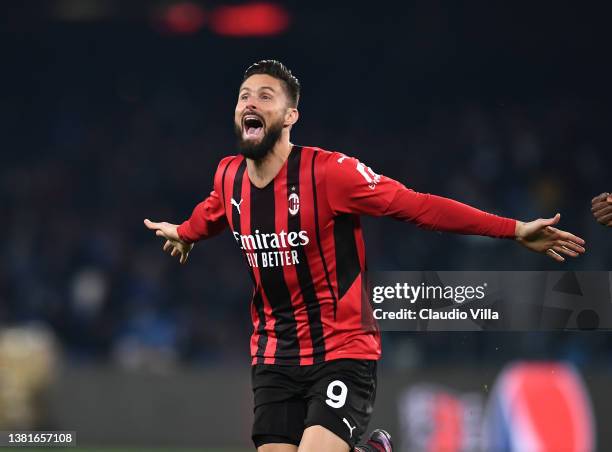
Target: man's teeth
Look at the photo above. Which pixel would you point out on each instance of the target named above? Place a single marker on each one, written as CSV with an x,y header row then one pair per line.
x,y
253,118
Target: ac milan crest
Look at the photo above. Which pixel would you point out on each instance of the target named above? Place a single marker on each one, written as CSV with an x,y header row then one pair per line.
x,y
294,203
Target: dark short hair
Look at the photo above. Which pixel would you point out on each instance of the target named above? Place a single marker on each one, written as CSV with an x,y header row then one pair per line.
x,y
279,71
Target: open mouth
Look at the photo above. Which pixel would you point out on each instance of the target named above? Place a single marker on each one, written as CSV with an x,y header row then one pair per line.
x,y
252,126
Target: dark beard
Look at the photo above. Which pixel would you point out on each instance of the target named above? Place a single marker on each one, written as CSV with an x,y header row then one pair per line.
x,y
257,151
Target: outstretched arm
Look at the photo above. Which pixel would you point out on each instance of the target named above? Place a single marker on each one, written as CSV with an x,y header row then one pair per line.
x,y
437,213
601,206
443,214
354,188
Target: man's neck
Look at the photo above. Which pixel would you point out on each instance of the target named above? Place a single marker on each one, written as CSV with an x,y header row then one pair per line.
x,y
263,171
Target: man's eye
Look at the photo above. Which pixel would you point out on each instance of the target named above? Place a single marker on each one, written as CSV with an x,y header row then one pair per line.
x,y
243,97
266,97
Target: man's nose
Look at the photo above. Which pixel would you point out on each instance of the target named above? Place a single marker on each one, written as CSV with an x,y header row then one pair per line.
x,y
251,104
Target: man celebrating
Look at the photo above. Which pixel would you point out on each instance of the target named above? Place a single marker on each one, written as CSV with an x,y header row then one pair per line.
x,y
294,213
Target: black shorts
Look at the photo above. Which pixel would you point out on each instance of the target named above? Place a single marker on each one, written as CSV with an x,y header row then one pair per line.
x,y
338,395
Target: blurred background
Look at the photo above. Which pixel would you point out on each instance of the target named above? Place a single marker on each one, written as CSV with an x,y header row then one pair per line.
x,y
114,111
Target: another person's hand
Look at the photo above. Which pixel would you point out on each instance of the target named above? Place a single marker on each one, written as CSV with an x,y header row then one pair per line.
x,y
540,236
601,206
173,243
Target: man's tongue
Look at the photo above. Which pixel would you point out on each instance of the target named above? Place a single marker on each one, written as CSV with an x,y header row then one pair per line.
x,y
252,132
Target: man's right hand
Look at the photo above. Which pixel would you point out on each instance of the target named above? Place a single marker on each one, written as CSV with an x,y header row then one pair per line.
x,y
602,209
173,243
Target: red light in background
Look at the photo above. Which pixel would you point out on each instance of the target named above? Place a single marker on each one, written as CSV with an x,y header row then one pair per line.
x,y
183,18
253,19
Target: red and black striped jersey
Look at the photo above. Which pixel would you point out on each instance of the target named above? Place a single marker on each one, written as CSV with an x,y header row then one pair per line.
x,y
302,241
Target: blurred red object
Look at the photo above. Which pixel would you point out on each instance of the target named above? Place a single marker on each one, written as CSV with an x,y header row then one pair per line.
x,y
183,18
252,19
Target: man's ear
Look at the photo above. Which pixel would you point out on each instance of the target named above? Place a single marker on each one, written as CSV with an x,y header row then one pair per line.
x,y
292,116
